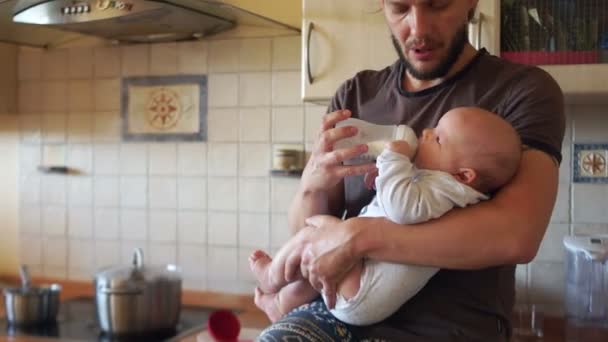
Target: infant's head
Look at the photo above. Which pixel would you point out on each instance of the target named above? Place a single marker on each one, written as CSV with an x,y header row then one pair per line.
x,y
476,146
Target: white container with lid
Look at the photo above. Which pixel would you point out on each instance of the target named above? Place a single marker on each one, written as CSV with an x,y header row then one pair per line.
x,y
587,279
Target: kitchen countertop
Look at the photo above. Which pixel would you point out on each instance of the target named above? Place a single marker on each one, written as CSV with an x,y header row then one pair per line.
x,y
252,319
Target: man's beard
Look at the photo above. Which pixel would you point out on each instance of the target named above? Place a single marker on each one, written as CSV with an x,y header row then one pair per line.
x,y
456,46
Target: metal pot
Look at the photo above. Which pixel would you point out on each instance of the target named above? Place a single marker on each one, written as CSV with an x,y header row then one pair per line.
x,y
137,299
31,305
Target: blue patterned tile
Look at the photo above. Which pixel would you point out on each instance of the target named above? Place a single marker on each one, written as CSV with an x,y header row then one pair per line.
x,y
579,176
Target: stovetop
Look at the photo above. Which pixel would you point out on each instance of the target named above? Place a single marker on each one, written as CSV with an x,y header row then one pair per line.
x,y
77,321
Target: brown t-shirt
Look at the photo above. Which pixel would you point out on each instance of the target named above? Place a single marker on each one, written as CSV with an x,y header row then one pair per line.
x,y
469,304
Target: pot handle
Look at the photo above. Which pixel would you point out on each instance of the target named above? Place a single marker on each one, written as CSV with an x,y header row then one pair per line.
x,y
138,258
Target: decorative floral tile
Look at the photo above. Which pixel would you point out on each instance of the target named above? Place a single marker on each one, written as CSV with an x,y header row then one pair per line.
x,y
589,163
164,108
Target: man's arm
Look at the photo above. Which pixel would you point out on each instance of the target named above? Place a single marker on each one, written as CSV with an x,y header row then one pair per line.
x,y
507,229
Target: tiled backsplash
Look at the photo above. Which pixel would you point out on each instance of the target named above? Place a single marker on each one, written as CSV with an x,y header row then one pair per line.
x,y
205,206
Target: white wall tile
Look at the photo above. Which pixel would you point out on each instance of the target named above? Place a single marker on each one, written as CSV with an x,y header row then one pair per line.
x,y
163,192
81,255
590,229
29,220
135,60
80,158
222,262
80,63
55,272
255,54
192,159
254,124
54,66
192,226
30,64
163,159
54,221
106,159
192,260
134,159
25,94
223,124
288,124
54,190
521,284
53,154
162,254
80,128
80,191
29,190
222,229
286,88
254,194
223,90
30,251
565,168
80,223
222,193
589,203
192,193
54,128
254,89
192,57
551,248
223,56
30,128
133,192
254,159
55,252
133,225
561,210
282,193
279,230
80,96
105,192
221,159
163,225
244,271
107,127
107,62
254,230
313,117
107,253
107,95
107,223
286,53
163,59
54,96
30,156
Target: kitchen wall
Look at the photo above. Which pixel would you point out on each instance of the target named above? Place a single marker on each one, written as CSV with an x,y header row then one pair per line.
x,y
9,139
205,206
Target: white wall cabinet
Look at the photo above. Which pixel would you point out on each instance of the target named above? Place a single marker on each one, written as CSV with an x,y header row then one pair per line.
x,y
340,38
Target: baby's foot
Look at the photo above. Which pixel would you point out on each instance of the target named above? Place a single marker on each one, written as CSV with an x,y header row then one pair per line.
x,y
259,263
268,302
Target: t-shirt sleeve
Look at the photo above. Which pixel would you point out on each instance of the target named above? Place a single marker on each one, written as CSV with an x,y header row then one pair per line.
x,y
535,108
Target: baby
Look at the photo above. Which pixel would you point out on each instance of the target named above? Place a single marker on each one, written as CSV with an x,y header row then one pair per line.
x,y
470,153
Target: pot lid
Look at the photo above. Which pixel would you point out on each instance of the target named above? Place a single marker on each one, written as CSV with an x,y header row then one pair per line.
x,y
594,247
135,276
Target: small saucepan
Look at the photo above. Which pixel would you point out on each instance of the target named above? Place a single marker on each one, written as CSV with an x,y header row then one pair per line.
x,y
31,305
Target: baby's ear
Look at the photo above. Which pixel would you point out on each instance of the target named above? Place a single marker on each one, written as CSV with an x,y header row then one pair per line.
x,y
465,175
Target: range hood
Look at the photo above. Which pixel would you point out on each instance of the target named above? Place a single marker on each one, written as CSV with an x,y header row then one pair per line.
x,y
47,23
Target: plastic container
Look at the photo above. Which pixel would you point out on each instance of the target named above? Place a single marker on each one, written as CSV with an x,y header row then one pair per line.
x,y
587,279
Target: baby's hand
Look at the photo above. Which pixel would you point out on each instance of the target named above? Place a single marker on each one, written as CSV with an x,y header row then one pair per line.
x,y
401,147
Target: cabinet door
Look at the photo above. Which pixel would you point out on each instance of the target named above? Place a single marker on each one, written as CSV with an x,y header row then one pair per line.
x,y
340,38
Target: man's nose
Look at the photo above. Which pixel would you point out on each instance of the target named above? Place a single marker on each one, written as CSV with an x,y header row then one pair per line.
x,y
419,21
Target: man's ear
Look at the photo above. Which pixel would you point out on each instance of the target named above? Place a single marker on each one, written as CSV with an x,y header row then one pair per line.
x,y
465,175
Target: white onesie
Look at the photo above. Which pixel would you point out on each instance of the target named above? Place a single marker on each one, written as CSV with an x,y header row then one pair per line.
x,y
405,195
